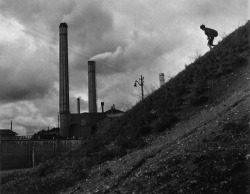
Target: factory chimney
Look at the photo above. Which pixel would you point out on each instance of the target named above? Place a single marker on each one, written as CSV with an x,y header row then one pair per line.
x,y
162,79
63,81
102,105
78,105
92,87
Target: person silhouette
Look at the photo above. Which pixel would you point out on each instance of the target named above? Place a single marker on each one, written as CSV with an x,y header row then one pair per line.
x,y
211,34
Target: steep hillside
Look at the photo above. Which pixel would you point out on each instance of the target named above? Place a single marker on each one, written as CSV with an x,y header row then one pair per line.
x,y
190,136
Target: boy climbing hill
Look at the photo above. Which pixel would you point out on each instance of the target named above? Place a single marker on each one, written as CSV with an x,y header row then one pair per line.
x,y
211,33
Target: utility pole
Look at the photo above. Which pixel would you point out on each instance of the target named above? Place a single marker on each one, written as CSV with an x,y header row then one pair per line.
x,y
58,120
140,83
33,156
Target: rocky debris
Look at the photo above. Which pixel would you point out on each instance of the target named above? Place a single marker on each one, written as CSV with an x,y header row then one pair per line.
x,y
106,172
207,153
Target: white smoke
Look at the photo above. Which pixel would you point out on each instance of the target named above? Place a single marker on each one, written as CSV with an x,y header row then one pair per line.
x,y
108,56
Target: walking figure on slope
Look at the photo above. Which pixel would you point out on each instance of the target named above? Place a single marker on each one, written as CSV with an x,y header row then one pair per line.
x,y
211,33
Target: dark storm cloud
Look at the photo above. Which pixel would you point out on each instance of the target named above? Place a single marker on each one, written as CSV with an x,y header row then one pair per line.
x,y
23,77
41,15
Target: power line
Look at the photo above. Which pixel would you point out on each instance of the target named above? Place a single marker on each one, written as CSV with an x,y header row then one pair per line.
x,y
40,38
52,41
55,42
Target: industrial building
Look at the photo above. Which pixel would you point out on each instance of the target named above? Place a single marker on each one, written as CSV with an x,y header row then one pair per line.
x,y
79,124
7,134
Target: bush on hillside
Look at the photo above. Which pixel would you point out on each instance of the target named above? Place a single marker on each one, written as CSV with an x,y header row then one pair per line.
x,y
196,101
149,116
179,101
145,130
92,145
104,155
239,61
80,167
46,168
198,89
165,121
126,142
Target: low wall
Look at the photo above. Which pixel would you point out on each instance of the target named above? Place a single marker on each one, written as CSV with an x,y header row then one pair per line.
x,y
21,153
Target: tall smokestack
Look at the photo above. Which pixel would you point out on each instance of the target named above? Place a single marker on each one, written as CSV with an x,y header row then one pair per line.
x,y
63,80
78,105
161,79
92,87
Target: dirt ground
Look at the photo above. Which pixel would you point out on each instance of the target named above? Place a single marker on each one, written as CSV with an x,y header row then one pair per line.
x,y
207,153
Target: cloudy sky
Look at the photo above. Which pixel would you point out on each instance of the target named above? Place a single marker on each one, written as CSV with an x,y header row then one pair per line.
x,y
127,38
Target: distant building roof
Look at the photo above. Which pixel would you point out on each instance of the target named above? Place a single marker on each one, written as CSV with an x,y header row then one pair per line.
x,y
113,111
54,129
7,132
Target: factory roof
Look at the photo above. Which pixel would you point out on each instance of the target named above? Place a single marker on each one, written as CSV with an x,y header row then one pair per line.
x,y
113,111
7,132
